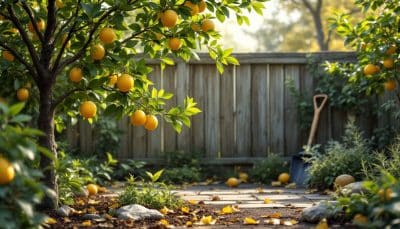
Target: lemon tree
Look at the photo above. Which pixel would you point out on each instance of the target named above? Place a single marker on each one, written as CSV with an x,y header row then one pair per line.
x,y
42,42
377,41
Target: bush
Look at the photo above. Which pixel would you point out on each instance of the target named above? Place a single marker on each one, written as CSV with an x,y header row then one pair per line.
x,y
269,169
153,194
181,175
344,157
24,191
130,167
379,203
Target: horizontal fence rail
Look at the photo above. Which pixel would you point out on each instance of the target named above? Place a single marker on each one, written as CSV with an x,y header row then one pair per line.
x,y
247,112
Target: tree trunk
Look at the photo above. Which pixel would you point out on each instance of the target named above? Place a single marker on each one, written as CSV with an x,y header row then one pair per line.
x,y
46,125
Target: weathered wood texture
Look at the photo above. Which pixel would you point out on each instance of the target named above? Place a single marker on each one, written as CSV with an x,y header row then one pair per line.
x,y
247,112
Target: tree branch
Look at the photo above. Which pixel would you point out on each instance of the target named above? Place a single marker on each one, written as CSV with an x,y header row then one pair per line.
x,y
61,99
25,38
33,21
308,5
133,35
79,54
29,67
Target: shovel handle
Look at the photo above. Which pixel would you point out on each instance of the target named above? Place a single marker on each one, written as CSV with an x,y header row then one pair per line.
x,y
317,111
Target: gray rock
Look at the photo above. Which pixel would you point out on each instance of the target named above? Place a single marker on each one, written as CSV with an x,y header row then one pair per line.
x,y
355,187
64,211
318,212
91,216
83,192
138,212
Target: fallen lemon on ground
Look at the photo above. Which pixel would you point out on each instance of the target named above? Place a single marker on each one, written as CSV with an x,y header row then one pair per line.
x,y
284,178
232,182
92,189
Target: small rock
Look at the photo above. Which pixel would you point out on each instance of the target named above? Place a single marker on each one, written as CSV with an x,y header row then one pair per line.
x,y
318,212
91,216
138,212
355,187
64,211
83,192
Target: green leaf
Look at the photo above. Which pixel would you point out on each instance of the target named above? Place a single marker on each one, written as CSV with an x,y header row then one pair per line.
x,y
16,108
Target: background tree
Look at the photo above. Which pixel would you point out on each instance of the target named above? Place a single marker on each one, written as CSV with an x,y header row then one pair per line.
x,y
68,54
302,25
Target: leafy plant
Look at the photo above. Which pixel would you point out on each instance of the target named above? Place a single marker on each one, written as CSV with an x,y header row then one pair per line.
x,y
377,205
20,191
180,175
106,135
133,167
269,169
153,194
102,171
344,157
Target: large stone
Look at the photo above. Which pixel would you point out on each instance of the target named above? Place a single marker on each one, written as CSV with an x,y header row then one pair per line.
x,y
138,212
355,187
64,211
82,192
318,212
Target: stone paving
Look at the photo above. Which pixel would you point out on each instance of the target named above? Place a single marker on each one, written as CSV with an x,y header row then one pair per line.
x,y
251,196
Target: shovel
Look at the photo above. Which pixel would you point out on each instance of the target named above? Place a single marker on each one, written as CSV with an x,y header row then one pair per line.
x,y
298,166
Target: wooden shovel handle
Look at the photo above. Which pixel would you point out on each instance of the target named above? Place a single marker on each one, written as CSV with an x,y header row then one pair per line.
x,y
317,111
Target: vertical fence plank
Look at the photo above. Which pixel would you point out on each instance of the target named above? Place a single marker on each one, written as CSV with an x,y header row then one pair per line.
x,y
307,90
292,130
276,109
154,142
72,136
211,112
182,90
243,110
259,109
138,143
85,137
169,133
197,91
124,126
227,112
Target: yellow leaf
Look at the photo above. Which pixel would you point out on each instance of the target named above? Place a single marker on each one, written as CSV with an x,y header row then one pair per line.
x,y
80,202
260,190
207,220
226,210
268,201
322,225
290,222
93,202
291,185
86,223
194,202
277,191
114,206
91,210
276,215
185,210
51,221
250,221
67,220
166,210
189,224
164,222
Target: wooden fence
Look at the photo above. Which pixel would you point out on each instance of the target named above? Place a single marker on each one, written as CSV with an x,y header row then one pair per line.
x,y
247,112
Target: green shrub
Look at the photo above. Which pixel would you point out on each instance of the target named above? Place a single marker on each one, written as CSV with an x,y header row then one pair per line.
x,y
19,197
129,167
344,157
379,203
181,175
269,169
151,194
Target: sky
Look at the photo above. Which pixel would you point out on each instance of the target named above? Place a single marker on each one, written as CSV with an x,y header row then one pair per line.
x,y
233,35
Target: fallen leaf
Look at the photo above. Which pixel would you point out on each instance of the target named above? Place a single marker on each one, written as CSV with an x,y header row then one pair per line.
x,y
193,202
101,189
114,206
164,222
276,215
166,210
107,216
51,221
278,191
260,190
215,198
207,220
86,223
185,210
322,224
276,183
289,222
93,202
226,210
91,210
80,202
291,185
250,221
268,201
209,181
201,202
67,220
189,224
272,221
